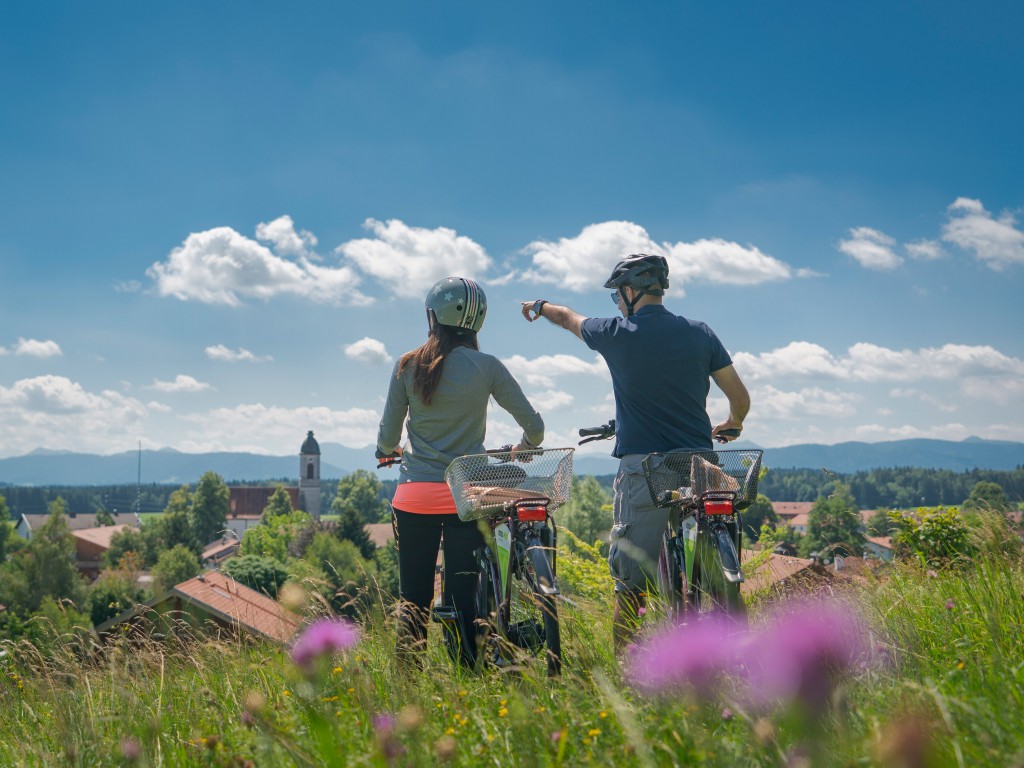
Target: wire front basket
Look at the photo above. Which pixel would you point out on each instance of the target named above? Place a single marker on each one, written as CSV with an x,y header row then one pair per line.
x,y
486,484
695,472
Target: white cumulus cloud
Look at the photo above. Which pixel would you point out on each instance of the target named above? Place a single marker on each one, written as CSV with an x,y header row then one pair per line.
x,y
282,235
873,363
871,249
996,242
368,351
543,370
221,266
250,427
220,352
408,260
58,413
925,250
584,262
36,348
550,400
181,383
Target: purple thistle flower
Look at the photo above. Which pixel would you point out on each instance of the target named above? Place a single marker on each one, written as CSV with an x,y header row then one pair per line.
x,y
803,652
950,605
689,654
384,724
324,637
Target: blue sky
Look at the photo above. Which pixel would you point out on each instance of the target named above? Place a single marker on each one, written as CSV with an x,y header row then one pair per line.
x,y
218,220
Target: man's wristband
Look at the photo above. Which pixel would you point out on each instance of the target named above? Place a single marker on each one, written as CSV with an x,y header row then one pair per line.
x,y
538,306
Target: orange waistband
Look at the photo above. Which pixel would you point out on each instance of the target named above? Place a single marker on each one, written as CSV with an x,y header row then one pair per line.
x,y
424,498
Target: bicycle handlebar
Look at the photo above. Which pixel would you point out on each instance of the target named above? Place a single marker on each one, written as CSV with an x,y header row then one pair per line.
x,y
603,432
387,460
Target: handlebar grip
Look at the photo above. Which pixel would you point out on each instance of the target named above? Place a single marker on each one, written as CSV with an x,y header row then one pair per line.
x,y
386,460
668,497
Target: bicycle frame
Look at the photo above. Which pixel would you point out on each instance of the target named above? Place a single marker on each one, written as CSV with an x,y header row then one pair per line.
x,y
725,532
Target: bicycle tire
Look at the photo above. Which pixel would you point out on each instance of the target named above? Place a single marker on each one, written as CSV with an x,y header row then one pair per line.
x,y
533,616
484,603
713,592
670,577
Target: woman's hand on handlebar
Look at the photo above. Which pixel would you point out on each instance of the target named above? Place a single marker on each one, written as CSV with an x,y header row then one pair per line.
x,y
727,431
387,460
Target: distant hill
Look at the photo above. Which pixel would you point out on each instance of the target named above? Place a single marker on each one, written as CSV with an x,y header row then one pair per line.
x,y
169,466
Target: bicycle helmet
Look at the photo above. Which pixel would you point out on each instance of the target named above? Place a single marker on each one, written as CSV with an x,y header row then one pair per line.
x,y
644,272
458,302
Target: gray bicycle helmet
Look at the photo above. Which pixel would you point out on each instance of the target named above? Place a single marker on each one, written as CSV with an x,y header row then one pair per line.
x,y
458,302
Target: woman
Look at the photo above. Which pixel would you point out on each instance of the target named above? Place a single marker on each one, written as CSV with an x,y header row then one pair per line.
x,y
443,387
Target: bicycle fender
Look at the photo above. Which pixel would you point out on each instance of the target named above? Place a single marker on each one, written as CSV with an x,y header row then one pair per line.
x,y
542,565
727,549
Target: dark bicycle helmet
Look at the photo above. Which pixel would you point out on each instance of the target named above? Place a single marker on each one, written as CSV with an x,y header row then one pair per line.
x,y
458,302
644,272
640,271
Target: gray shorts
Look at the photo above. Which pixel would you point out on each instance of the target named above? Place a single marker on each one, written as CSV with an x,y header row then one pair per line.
x,y
637,529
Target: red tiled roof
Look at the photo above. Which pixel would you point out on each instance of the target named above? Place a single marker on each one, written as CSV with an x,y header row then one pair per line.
x,y
99,536
251,500
788,509
233,602
777,569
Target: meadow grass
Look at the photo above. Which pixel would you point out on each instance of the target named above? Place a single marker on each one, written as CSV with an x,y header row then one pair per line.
x,y
944,680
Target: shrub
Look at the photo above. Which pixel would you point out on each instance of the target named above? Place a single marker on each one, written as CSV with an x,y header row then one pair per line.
x,y
935,536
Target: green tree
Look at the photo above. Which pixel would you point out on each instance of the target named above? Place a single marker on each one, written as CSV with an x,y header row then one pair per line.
x,y
987,495
111,594
278,505
588,513
932,535
5,529
264,574
362,491
834,523
758,514
125,541
881,523
209,513
172,530
104,518
175,565
45,567
347,572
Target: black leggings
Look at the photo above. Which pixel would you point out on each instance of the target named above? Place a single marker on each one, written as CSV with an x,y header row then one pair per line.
x,y
418,537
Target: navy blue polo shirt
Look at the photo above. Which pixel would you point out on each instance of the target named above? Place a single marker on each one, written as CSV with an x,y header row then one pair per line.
x,y
661,366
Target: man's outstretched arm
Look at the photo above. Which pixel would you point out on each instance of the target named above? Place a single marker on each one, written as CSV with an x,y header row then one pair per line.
x,y
739,400
564,317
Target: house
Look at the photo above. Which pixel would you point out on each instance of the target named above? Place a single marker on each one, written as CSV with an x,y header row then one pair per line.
x,y
28,523
219,551
247,502
880,547
787,510
209,603
784,573
90,546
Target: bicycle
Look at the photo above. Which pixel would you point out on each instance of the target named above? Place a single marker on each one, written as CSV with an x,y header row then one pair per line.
x,y
514,493
699,564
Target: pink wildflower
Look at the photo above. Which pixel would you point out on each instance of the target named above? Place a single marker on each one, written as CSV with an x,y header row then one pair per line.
x,y
689,654
324,637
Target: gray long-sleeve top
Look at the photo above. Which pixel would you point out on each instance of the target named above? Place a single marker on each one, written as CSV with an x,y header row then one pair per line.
x,y
455,422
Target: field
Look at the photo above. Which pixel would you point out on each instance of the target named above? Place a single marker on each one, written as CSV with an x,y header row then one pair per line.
x,y
937,679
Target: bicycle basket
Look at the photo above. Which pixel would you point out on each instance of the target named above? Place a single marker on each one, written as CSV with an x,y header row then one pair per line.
x,y
694,472
484,484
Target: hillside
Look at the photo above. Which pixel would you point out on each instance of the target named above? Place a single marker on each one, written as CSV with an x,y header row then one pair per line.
x,y
170,466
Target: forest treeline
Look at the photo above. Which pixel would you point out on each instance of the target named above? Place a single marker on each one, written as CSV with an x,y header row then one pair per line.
x,y
898,488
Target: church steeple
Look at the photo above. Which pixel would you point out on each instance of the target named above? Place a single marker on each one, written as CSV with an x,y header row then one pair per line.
x,y
309,476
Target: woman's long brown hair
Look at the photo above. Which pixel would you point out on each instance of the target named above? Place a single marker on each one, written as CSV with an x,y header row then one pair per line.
x,y
427,361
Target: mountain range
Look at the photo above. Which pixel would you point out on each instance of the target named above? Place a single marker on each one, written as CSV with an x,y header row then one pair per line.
x,y
45,467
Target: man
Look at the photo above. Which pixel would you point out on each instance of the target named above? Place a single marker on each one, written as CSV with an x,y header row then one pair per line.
x,y
661,366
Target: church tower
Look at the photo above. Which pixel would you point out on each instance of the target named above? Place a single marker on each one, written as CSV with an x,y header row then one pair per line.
x,y
309,476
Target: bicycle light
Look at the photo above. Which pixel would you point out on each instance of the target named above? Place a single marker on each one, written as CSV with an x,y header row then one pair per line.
x,y
718,507
532,513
